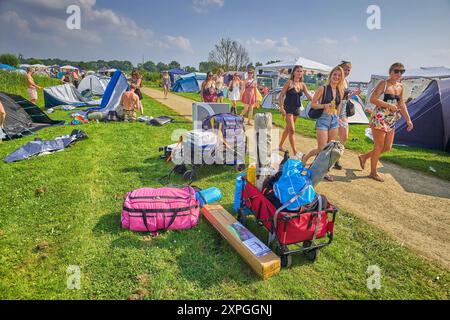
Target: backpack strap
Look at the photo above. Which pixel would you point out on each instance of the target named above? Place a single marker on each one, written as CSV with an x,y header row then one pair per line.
x,y
324,95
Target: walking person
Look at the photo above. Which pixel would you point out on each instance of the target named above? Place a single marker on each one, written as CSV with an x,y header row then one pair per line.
x,y
343,118
290,103
2,121
209,89
219,81
329,99
136,79
234,91
388,110
32,86
166,84
130,103
249,98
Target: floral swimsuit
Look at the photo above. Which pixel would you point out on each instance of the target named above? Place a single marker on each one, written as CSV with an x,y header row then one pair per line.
x,y
383,119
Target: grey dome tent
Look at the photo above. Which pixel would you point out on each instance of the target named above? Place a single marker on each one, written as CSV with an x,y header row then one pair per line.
x,y
93,84
430,114
66,94
23,117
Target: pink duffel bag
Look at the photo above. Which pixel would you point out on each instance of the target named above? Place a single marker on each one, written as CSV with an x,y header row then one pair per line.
x,y
158,210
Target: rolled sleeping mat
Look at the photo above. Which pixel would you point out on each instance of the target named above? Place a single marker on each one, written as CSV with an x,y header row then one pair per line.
x,y
209,196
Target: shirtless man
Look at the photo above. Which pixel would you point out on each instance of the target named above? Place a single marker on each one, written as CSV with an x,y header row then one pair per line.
x,y
2,120
130,103
32,92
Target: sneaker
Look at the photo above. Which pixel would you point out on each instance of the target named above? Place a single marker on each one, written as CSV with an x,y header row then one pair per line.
x,y
299,156
338,166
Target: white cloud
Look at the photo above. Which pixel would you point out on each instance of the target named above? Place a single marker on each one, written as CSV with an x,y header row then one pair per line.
x,y
43,22
353,39
177,42
202,6
280,46
327,41
12,19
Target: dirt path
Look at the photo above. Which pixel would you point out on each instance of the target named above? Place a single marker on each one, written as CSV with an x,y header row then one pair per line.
x,y
412,207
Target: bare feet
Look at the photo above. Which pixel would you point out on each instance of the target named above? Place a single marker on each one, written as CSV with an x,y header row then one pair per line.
x,y
376,177
280,148
362,162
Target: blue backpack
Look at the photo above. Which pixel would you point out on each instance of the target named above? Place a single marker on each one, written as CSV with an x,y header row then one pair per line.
x,y
294,185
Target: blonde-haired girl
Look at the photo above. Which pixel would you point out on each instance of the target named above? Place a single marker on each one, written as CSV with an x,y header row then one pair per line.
x,y
329,99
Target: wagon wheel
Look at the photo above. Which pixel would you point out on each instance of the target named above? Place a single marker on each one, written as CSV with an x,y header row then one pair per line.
x,y
190,175
286,259
311,255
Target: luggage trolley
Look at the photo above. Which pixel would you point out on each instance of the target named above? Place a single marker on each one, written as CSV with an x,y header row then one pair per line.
x,y
301,229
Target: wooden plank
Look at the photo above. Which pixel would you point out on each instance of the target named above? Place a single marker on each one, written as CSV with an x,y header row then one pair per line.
x,y
266,265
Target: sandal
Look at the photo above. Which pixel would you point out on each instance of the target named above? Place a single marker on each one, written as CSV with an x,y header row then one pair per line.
x,y
328,178
376,178
361,163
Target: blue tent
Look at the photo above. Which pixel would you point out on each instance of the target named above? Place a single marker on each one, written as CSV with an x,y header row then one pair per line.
x,y
190,82
174,72
6,67
430,114
113,93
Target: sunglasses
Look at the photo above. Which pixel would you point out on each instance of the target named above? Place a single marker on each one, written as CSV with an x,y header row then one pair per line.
x,y
397,71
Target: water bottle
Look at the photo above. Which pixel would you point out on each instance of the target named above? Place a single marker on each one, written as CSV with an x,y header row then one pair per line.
x,y
251,174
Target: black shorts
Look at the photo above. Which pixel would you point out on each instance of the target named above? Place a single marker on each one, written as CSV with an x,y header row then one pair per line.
x,y
295,111
139,93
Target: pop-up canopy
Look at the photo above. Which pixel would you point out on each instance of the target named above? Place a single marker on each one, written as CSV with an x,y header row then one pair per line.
x,y
307,64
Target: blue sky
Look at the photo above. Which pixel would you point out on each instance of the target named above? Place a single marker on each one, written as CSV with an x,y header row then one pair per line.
x,y
414,32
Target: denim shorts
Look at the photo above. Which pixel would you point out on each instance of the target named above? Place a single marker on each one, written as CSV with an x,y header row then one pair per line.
x,y
327,122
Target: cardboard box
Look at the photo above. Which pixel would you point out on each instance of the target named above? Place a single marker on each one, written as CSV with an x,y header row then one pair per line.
x,y
255,253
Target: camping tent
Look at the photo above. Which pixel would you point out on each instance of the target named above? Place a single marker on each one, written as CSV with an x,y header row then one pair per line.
x,y
190,82
6,67
174,74
430,114
23,117
186,85
93,84
359,117
307,64
415,81
66,94
113,93
271,102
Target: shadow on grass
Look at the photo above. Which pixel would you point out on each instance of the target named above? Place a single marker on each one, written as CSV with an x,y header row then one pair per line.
x,y
200,253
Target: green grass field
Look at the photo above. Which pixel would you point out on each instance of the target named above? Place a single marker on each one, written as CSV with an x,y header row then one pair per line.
x,y
412,158
64,209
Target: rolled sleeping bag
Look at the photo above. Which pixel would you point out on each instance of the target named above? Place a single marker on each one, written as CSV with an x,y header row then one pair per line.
x,y
325,160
